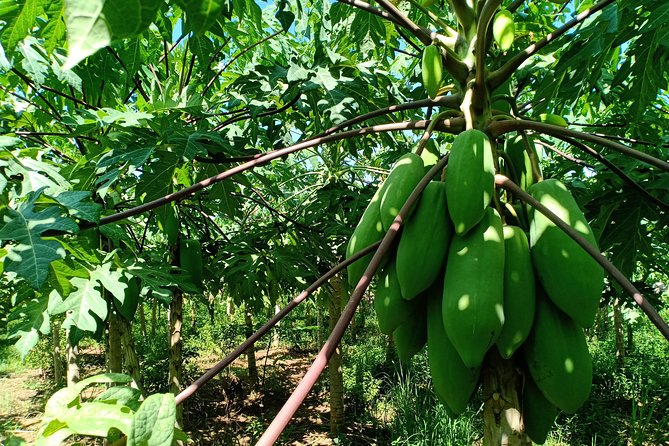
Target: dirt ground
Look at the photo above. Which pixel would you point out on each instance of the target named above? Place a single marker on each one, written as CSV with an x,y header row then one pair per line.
x,y
226,412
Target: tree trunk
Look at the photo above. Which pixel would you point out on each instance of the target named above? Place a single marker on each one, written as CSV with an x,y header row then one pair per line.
x,y
390,351
114,354
619,329
175,353
57,360
251,351
275,331
319,321
154,311
335,364
503,421
211,308
142,319
130,360
72,354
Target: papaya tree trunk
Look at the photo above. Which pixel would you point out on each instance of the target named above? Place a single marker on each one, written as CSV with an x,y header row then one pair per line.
x,y
502,417
72,354
175,353
251,351
335,364
619,329
391,354
130,359
114,354
275,331
57,359
142,319
154,311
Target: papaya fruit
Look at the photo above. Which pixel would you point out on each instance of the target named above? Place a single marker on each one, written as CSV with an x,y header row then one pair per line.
x,y
571,277
128,307
411,335
423,245
391,309
550,118
503,29
470,179
190,259
369,230
521,164
538,413
519,291
432,70
453,382
557,356
402,179
473,295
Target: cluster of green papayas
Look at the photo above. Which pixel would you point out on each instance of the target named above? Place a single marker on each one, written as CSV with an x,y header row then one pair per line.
x,y
465,283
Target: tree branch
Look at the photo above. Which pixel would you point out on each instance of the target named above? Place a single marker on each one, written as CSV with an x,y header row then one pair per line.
x,y
281,420
645,306
234,119
452,125
497,128
616,170
464,13
372,10
498,77
223,363
574,160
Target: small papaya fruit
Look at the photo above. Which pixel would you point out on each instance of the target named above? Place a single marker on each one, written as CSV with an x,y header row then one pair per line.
x,y
190,258
424,241
571,277
550,118
432,70
411,335
391,309
402,179
557,356
538,413
453,382
470,179
521,163
473,296
504,29
519,291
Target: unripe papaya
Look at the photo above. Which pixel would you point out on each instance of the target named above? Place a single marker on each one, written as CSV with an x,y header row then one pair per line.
x,y
453,382
128,307
470,179
190,258
423,245
171,225
432,70
557,357
519,291
504,29
411,335
473,296
402,179
391,309
538,413
520,161
550,118
368,231
571,277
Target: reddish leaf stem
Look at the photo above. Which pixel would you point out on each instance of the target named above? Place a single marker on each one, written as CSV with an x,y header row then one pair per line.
x,y
645,306
223,363
309,379
497,128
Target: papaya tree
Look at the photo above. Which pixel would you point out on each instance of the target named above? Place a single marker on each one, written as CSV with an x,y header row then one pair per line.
x,y
516,142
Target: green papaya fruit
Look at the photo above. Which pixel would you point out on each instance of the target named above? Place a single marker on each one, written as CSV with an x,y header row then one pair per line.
x,y
503,29
520,161
519,291
190,258
453,382
402,180
368,231
473,296
550,118
128,307
391,309
557,357
470,179
411,335
423,245
430,155
432,70
171,225
538,413
571,277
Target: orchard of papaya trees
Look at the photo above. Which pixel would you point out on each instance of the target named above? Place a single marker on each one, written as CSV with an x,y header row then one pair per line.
x,y
397,222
